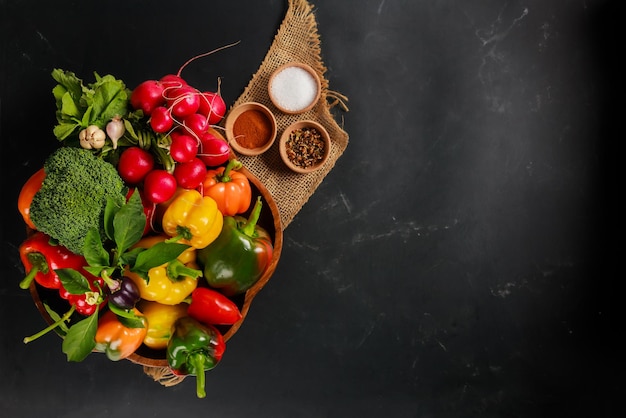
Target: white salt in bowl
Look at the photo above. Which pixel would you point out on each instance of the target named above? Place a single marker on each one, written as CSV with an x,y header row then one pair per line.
x,y
294,88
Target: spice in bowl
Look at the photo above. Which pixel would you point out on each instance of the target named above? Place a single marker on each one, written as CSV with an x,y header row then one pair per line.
x,y
305,146
294,88
250,128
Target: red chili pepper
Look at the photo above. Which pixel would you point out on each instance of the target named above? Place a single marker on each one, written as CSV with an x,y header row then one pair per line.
x,y
41,258
213,308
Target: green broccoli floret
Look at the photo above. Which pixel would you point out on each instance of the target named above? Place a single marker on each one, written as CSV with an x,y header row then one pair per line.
x,y
73,196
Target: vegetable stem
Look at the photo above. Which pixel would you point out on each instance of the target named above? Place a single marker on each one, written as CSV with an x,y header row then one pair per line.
x,y
49,328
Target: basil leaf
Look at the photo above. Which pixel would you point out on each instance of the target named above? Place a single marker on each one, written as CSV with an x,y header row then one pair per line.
x,y
80,338
129,223
110,209
157,255
128,318
129,257
94,251
74,282
72,84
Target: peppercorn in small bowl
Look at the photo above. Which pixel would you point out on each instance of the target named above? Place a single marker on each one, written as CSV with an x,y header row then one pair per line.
x,y
250,128
304,146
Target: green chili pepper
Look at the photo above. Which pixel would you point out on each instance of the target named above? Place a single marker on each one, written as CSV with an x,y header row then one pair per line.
x,y
193,349
239,256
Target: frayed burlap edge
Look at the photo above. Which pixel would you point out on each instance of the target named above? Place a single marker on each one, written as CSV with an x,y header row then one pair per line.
x,y
297,40
163,375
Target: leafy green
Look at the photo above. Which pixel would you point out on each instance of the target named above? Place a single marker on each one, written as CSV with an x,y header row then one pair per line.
x,y
80,105
80,339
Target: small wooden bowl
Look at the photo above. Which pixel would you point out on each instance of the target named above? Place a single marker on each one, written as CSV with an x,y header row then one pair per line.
x,y
283,146
268,128
145,356
294,88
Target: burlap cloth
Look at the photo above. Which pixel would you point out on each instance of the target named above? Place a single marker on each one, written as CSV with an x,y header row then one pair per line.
x,y
297,40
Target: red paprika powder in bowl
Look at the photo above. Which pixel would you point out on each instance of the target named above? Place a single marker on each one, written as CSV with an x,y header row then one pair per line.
x,y
250,128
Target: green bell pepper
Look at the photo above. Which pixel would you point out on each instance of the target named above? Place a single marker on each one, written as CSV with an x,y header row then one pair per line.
x,y
239,256
193,349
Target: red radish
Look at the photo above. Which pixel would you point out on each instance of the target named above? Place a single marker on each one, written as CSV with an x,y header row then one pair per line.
x,y
159,186
212,105
213,151
161,120
183,148
172,80
189,175
134,164
196,124
183,101
147,96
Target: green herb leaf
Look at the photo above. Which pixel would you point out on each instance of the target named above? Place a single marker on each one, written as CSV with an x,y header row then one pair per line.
x,y
130,256
94,251
110,99
110,209
129,223
65,129
157,255
74,282
128,318
80,338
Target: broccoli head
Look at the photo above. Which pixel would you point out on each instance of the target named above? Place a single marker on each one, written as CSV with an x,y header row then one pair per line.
x,y
73,196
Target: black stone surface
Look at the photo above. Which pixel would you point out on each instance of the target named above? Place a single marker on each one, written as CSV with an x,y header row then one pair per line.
x,y
461,258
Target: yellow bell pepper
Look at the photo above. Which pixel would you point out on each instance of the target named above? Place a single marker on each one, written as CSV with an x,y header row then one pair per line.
x,y
169,283
193,219
161,320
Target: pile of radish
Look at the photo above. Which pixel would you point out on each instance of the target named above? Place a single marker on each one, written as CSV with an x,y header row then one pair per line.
x,y
188,116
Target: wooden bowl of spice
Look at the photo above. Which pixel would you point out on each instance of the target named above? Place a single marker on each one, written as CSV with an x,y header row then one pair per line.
x,y
304,146
250,128
294,88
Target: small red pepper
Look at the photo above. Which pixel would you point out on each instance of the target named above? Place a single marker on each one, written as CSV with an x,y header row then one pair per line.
x,y
41,258
213,308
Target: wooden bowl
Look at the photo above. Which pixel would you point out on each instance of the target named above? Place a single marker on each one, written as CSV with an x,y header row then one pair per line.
x,y
288,157
269,219
267,129
294,88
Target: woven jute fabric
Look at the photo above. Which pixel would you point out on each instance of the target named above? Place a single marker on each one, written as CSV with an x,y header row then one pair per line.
x,y
297,40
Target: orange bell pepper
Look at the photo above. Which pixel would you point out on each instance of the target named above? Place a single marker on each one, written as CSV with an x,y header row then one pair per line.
x,y
115,339
32,186
193,219
229,188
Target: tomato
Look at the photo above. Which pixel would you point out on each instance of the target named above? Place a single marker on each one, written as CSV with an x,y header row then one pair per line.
x,y
161,119
183,148
147,96
134,164
159,186
191,174
213,151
